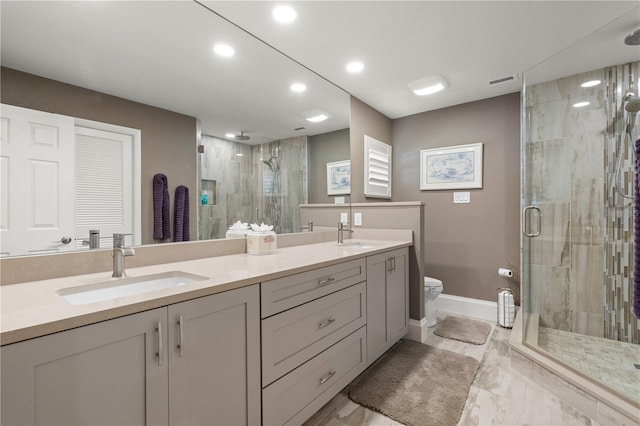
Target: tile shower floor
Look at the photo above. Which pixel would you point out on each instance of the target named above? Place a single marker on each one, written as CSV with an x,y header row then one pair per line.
x,y
607,361
498,395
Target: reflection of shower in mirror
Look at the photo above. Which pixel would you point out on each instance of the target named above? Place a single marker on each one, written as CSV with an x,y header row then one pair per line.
x,y
272,162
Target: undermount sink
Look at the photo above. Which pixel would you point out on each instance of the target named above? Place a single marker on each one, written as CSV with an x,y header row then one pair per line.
x,y
357,244
113,289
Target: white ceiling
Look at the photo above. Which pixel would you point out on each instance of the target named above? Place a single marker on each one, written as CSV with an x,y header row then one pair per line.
x,y
159,53
469,42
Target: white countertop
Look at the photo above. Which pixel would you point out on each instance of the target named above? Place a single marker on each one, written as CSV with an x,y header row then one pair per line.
x,y
35,309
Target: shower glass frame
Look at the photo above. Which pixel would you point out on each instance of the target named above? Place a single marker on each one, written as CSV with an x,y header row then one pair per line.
x,y
576,274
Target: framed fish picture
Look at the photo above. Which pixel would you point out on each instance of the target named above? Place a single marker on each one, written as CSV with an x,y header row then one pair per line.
x,y
453,167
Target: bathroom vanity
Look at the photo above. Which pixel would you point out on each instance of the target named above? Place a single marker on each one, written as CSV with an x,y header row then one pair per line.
x,y
265,340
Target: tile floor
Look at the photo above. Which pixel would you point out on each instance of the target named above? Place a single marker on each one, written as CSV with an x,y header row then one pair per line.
x,y
498,395
604,360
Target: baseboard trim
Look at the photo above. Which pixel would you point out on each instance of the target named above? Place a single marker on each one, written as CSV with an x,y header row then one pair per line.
x,y
475,308
418,330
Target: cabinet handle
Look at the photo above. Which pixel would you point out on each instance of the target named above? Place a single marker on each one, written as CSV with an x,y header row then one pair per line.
x,y
159,352
323,324
181,341
393,260
326,281
328,376
389,267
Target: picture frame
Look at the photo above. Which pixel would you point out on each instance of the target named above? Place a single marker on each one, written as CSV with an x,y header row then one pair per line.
x,y
453,167
339,177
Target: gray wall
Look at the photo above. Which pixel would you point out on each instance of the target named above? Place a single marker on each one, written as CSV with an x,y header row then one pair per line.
x,y
323,149
465,244
365,121
168,138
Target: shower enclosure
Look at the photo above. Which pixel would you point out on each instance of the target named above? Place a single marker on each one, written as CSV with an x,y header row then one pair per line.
x,y
251,183
577,244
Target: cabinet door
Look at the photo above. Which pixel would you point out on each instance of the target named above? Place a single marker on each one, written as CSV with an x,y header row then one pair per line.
x,y
214,353
378,339
110,373
398,295
387,301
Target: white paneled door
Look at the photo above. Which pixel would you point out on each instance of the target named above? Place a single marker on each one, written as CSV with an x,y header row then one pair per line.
x,y
61,177
36,168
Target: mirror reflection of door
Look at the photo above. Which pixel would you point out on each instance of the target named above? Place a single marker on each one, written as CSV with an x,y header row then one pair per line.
x,y
43,156
37,173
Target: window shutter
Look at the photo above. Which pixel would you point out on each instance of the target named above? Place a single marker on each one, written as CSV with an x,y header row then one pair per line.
x,y
377,168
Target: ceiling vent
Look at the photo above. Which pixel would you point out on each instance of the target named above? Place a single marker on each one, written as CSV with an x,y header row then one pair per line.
x,y
506,79
300,128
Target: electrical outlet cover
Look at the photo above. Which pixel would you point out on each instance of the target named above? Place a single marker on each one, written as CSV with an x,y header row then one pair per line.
x,y
357,219
344,217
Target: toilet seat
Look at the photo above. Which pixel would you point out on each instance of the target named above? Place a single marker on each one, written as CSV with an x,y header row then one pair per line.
x,y
432,285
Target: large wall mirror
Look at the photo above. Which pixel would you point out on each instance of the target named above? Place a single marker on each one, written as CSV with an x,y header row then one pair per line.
x,y
229,128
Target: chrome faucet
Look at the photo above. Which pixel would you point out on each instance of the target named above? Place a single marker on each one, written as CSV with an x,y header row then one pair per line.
x,y
309,227
119,253
342,229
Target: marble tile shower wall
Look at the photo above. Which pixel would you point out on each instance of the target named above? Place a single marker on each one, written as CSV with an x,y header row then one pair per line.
x,y
237,185
226,178
282,185
566,156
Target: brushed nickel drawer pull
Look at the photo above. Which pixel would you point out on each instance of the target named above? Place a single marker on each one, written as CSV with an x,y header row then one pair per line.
x,y
326,281
159,352
328,376
323,324
181,343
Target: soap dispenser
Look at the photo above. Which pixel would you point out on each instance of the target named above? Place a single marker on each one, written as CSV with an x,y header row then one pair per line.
x,y
204,199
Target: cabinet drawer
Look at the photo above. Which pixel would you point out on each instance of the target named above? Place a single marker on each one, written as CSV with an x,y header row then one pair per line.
x,y
299,394
292,337
288,292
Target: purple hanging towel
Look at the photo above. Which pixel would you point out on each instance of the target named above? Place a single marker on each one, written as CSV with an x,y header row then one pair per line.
x,y
181,214
636,235
161,219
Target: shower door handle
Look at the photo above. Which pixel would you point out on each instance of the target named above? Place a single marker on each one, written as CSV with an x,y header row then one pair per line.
x,y
525,229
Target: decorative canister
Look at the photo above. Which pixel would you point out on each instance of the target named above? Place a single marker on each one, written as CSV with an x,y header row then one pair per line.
x,y
261,240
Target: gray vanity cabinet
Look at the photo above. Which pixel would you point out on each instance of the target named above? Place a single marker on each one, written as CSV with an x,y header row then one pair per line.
x,y
387,301
196,362
108,373
214,359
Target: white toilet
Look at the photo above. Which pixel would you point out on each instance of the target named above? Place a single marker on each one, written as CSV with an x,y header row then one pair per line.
x,y
432,289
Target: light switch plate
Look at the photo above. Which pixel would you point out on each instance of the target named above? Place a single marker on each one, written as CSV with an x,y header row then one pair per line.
x,y
461,197
357,219
344,217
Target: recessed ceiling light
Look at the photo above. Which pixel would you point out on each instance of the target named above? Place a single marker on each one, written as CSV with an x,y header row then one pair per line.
x,y
239,154
284,14
224,50
590,83
315,116
355,67
580,104
298,87
230,135
428,85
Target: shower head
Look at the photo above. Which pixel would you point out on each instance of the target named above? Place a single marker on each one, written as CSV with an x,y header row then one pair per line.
x,y
242,137
632,107
633,39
